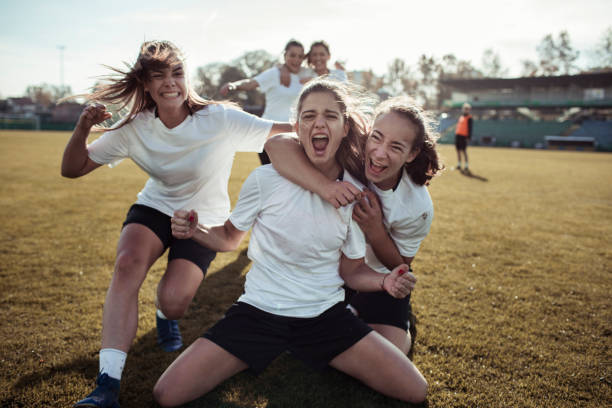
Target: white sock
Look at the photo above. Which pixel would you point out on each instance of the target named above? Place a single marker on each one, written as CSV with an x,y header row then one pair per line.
x,y
112,362
161,315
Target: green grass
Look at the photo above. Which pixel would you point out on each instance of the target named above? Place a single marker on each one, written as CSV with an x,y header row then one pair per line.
x,y
513,297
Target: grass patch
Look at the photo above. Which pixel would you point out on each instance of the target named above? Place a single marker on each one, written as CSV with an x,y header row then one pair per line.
x,y
513,297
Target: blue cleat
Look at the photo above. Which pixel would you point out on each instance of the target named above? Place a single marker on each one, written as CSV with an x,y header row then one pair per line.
x,y
168,334
106,394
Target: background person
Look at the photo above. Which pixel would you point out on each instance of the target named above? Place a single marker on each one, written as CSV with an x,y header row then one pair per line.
x,y
463,133
399,158
279,97
186,145
293,291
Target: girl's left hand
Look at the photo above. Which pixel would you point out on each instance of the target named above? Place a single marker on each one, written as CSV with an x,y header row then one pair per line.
x,y
400,282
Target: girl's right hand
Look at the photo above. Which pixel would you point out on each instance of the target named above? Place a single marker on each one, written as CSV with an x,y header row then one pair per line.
x,y
92,115
227,88
184,224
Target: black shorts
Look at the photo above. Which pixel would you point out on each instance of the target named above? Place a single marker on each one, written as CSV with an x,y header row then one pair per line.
x,y
159,223
381,308
460,142
257,337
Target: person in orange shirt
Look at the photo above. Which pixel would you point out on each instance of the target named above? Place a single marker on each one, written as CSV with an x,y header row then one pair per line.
x,y
463,133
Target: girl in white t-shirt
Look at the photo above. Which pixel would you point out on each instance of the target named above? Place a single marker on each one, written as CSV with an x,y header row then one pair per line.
x,y
319,56
279,96
186,145
395,213
302,249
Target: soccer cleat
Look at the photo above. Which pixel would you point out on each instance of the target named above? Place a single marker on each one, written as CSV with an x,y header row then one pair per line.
x,y
106,394
168,334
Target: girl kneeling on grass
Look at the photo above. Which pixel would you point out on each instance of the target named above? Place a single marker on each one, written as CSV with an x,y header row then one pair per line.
x,y
186,145
396,212
293,298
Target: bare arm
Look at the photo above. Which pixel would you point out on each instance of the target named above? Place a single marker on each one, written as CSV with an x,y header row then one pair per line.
x,y
368,214
220,238
248,84
280,127
291,162
76,161
357,275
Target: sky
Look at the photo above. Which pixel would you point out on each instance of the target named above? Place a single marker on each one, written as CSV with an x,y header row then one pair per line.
x,y
38,38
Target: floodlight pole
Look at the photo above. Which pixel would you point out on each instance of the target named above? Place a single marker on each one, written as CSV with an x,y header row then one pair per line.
x,y
61,48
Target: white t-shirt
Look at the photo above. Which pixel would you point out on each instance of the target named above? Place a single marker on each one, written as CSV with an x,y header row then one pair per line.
x,y
295,245
279,98
189,165
337,74
408,213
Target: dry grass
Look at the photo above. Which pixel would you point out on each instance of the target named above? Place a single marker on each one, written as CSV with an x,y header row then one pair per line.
x,y
513,295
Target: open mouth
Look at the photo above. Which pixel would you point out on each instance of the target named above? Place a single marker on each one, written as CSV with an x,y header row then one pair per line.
x,y
375,169
170,95
319,143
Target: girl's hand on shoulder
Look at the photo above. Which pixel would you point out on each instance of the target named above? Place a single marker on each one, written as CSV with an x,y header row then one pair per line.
x,y
368,212
184,224
285,76
400,282
341,193
93,114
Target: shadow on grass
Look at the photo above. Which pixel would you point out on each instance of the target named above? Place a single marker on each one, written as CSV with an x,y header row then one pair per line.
x,y
285,383
468,173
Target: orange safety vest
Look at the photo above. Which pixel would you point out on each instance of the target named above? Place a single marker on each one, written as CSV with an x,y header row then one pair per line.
x,y
462,126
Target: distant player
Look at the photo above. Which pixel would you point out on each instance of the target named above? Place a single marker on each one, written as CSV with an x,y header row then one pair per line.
x,y
463,133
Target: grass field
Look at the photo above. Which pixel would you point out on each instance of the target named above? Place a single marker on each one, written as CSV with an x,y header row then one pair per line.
x,y
513,298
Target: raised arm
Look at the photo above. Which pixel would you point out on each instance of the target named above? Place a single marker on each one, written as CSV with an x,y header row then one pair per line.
x,y
368,214
359,276
291,162
248,84
220,238
76,161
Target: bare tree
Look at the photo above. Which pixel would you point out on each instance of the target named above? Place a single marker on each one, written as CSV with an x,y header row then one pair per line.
x,y
530,68
557,57
602,55
46,94
492,65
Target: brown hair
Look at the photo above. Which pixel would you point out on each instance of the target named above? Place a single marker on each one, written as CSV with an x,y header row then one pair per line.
x,y
126,88
427,162
356,106
320,43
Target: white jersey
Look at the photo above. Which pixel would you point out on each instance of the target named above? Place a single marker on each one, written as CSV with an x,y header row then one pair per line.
x,y
407,215
295,245
336,74
189,165
279,98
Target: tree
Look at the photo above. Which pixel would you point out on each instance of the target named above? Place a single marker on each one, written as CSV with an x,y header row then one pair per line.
x,y
492,65
46,94
556,57
399,78
602,54
254,62
530,68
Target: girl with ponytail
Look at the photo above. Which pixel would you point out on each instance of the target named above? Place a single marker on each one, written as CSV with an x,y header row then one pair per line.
x,y
395,212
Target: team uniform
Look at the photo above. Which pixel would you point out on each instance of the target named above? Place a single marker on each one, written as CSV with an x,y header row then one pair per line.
x,y
279,98
335,74
188,167
463,131
407,216
293,295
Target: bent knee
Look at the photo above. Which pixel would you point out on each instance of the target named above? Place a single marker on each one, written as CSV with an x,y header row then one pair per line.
x,y
419,394
162,396
173,310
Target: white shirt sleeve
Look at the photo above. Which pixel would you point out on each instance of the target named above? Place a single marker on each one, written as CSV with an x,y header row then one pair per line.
x,y
111,147
355,245
409,234
248,205
247,132
268,79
